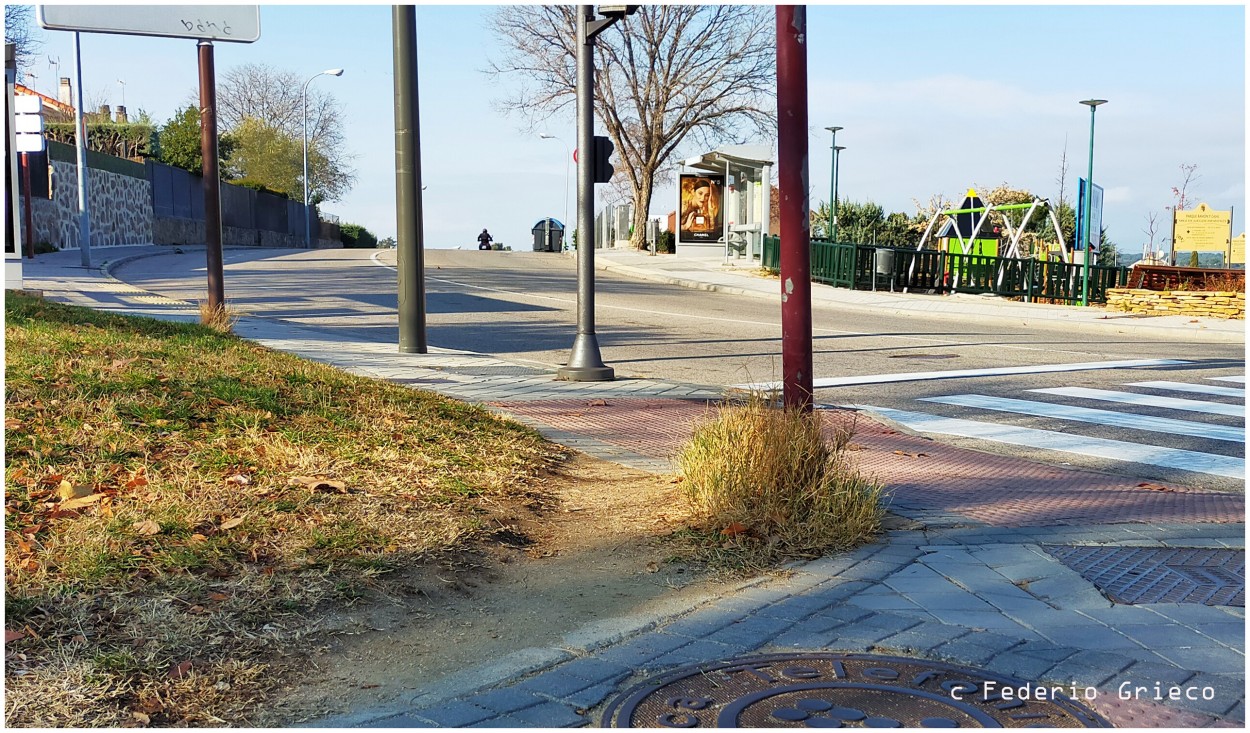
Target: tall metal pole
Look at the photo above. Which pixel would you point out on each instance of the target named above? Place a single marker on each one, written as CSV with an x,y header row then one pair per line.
x,y
410,247
212,180
796,271
585,363
1089,198
307,218
832,228
80,142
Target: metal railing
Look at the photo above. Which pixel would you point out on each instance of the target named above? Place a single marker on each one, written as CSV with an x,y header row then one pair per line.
x,y
866,267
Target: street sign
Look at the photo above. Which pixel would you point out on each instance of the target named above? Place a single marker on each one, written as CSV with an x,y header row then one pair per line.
x,y
28,124
237,23
1095,216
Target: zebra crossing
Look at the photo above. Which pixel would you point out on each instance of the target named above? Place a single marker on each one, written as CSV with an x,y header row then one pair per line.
x,y
1184,418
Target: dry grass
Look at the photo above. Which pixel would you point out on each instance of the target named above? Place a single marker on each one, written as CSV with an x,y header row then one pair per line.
x,y
220,319
768,486
179,502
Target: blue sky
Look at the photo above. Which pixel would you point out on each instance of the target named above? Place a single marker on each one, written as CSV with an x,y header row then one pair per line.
x,y
933,99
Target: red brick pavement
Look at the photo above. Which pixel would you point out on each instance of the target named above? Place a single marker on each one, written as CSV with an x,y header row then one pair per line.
x,y
918,473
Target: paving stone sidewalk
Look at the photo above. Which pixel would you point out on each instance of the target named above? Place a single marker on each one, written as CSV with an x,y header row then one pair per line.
x,y
970,576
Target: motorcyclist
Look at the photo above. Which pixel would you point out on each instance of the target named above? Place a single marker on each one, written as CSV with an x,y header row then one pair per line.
x,y
484,240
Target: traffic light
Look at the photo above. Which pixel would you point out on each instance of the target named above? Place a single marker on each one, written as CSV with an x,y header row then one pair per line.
x,y
601,169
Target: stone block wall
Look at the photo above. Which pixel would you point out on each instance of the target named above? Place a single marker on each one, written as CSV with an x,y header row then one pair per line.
x,y
119,209
1209,304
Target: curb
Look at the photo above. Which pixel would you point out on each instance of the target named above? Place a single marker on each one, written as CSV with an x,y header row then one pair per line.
x,y
1013,319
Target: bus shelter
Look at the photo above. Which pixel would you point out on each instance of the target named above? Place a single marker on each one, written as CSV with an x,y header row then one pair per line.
x,y
723,202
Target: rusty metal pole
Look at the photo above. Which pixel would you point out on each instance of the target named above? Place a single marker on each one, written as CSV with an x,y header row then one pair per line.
x,y
30,229
212,180
796,266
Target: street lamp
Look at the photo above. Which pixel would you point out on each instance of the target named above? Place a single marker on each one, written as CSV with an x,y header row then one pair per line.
x,y
1089,197
304,95
837,159
566,175
833,184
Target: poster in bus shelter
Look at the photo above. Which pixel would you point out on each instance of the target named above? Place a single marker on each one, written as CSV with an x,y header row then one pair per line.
x,y
702,202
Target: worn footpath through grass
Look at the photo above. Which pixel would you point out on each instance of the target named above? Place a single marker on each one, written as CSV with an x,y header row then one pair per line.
x,y
180,501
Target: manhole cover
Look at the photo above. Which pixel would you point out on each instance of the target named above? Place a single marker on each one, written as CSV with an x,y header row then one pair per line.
x,y
1215,577
842,691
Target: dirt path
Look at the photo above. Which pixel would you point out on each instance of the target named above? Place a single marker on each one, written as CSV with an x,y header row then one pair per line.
x,y
596,552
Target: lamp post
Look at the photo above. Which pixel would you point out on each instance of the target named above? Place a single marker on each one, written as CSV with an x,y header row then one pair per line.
x,y
567,160
304,95
836,160
1089,197
833,183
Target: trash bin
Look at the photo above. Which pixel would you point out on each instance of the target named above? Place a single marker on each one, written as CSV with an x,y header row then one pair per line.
x,y
548,236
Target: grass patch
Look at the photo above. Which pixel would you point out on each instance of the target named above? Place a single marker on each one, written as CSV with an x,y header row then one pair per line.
x,y
771,484
178,498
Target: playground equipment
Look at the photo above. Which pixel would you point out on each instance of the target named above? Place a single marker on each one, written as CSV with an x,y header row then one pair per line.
x,y
1014,232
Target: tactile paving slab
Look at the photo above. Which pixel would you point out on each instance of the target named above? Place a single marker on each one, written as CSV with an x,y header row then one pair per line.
x,y
843,690
1214,577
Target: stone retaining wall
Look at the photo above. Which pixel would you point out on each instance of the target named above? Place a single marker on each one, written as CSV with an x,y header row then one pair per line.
x,y
170,230
1217,304
119,209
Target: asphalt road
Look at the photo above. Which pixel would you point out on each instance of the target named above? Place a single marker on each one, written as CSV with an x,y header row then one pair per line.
x,y
522,306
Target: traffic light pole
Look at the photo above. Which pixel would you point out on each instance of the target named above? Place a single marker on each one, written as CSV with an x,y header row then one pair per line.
x,y
585,363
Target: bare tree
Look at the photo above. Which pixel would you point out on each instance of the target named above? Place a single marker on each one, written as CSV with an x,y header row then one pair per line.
x,y
1181,192
666,75
275,98
18,31
1152,228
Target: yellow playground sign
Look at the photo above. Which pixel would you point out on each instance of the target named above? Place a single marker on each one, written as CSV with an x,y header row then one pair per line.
x,y
1238,255
1202,230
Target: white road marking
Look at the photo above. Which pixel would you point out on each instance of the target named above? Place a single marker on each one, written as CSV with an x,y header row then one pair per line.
x,y
1116,450
1097,417
1213,389
1147,400
1238,380
965,373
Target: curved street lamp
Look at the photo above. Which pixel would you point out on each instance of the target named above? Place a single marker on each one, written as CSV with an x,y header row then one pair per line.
x,y
304,95
1089,197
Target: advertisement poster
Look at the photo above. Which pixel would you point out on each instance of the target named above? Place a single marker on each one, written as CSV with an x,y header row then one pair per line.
x,y
702,201
1095,215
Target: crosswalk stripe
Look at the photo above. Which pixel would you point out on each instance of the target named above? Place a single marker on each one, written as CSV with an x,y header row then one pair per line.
x,y
1097,417
963,373
1116,450
1238,380
1132,398
1212,389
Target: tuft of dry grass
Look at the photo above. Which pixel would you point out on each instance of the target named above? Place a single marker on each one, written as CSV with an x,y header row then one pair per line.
x,y
179,502
221,318
768,485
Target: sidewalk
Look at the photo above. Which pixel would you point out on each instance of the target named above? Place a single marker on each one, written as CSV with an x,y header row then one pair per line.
x,y
989,567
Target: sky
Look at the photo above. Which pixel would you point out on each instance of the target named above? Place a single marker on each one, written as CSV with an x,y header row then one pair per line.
x,y
932,99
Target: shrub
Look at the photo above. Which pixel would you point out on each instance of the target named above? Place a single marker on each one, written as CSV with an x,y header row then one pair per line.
x,y
770,485
665,243
356,236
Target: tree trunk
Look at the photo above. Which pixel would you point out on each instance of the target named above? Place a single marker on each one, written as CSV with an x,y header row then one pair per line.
x,y
642,204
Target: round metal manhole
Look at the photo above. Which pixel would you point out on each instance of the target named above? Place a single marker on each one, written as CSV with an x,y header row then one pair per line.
x,y
843,691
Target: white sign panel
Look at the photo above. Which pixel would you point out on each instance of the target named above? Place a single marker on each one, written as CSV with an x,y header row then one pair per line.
x,y
25,104
28,123
239,23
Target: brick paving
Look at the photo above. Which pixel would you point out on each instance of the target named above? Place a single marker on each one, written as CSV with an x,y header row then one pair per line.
x,y
921,474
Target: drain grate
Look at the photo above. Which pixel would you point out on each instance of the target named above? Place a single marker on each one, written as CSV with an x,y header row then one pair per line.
x,y
1214,577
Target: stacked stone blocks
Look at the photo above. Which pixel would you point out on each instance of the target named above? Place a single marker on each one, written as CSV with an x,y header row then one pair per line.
x,y
1198,303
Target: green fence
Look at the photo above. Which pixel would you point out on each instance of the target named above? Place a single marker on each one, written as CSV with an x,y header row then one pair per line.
x,y
865,267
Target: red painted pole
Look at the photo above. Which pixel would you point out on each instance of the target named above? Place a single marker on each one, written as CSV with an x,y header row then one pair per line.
x,y
30,229
796,264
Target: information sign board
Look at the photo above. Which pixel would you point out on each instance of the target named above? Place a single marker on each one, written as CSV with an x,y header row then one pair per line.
x,y
237,23
1095,216
1202,229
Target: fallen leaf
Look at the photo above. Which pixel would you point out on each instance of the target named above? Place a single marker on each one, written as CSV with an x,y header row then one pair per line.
x,y
79,503
140,718
597,403
180,670
146,527
119,363
136,482
319,483
1155,487
30,566
197,537
218,596
239,479
232,523
13,635
734,529
151,706
218,402
653,567
12,424
854,446
196,609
